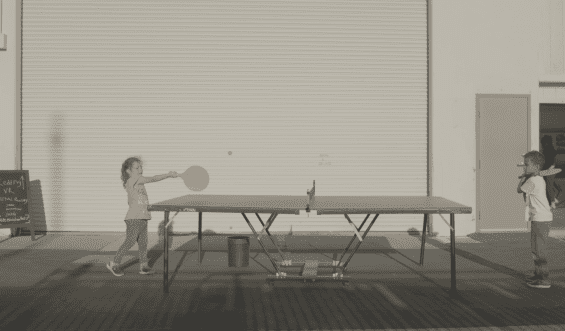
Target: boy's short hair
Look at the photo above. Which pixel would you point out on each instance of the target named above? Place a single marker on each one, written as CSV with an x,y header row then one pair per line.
x,y
536,158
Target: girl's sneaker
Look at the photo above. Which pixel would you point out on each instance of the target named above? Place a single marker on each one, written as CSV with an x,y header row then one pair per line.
x,y
114,269
539,284
532,278
145,270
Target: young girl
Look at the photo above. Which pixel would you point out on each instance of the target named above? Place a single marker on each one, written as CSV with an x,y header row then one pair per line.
x,y
137,216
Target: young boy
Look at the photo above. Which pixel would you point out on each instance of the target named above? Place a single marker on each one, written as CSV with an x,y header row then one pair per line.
x,y
539,212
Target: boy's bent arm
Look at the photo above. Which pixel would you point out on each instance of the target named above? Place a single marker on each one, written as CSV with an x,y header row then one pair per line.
x,y
520,185
527,187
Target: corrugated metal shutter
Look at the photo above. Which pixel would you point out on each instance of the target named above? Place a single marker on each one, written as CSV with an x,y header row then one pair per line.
x,y
297,90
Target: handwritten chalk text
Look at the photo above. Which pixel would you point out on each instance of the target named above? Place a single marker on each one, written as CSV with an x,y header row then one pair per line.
x,y
14,182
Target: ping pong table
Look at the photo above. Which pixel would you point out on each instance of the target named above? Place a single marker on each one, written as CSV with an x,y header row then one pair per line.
x,y
323,205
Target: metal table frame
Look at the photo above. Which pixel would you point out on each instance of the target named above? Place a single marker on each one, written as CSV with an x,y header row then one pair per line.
x,y
309,267
265,229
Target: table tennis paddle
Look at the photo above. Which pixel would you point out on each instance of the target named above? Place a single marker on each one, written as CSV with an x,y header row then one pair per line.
x,y
549,172
195,178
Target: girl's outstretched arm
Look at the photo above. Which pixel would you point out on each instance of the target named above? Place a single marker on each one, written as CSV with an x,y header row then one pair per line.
x,y
146,180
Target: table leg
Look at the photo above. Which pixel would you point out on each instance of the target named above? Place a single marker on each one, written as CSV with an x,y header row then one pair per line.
x,y
423,239
31,229
267,225
264,225
260,243
199,237
166,254
453,279
353,239
269,234
359,243
355,230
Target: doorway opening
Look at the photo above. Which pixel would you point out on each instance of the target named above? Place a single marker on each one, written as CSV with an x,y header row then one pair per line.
x,y
552,131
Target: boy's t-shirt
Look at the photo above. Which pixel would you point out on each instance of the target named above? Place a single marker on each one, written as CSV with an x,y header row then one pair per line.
x,y
137,200
537,206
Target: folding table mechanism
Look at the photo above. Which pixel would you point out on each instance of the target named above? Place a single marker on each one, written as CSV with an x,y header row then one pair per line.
x,y
309,269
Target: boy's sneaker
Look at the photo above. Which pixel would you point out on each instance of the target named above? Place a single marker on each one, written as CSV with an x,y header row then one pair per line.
x,y
145,270
539,284
114,269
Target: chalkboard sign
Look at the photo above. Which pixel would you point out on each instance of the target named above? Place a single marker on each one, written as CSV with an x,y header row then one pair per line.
x,y
14,201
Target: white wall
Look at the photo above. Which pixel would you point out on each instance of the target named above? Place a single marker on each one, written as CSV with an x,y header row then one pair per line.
x,y
477,47
9,88
553,54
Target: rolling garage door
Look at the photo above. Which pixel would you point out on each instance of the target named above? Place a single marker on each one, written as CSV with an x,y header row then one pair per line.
x,y
266,95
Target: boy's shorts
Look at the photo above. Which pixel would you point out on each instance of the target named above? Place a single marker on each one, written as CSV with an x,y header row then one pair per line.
x,y
540,235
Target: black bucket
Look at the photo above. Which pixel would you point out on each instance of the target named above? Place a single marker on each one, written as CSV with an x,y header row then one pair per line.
x,y
238,251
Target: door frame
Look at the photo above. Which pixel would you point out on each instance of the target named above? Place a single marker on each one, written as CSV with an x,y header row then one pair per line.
x,y
478,96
